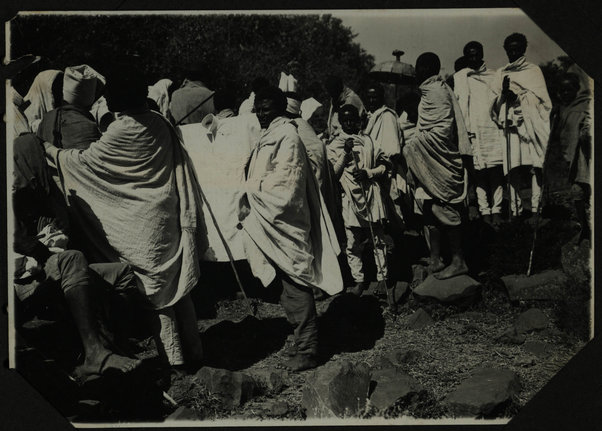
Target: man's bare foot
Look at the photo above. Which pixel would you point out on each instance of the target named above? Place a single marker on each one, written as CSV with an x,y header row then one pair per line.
x,y
300,362
435,265
452,270
105,363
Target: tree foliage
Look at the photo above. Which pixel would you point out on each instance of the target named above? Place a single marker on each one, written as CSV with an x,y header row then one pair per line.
x,y
237,48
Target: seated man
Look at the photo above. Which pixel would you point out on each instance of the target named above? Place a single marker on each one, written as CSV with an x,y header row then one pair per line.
x,y
288,237
72,125
136,197
359,165
434,160
43,260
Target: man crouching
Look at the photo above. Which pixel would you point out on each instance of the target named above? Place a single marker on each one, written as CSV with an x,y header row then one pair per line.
x,y
290,238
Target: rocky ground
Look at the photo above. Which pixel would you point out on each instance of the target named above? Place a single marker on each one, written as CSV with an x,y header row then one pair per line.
x,y
481,346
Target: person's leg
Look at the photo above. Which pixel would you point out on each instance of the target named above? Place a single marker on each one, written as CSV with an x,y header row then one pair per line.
x,y
496,186
380,252
580,194
516,205
298,303
71,269
119,276
536,178
188,329
433,234
354,249
482,188
450,220
164,326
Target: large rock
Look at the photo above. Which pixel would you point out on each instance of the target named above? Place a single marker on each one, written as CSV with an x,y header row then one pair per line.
x,y
483,393
531,320
453,289
338,389
231,387
273,380
576,262
391,385
418,319
184,414
278,408
547,285
537,348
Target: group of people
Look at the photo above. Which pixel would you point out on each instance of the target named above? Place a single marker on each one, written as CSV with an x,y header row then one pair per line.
x,y
120,187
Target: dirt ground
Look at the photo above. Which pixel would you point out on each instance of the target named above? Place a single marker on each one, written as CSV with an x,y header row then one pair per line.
x,y
440,356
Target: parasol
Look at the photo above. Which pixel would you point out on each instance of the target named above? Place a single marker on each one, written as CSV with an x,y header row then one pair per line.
x,y
394,71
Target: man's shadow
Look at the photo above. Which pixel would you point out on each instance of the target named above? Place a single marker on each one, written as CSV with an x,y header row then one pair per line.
x,y
350,324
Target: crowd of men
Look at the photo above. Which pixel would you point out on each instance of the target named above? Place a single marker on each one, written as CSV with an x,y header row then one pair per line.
x,y
121,186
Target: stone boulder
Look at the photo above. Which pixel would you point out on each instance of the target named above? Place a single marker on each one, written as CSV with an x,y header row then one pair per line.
x,y
273,380
418,319
233,388
391,384
547,285
576,262
278,408
454,289
531,320
537,348
337,389
482,394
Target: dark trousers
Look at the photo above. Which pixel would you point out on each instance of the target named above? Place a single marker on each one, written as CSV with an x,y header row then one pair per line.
x,y
300,307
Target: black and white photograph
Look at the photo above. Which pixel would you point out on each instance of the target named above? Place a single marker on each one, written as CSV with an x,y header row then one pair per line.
x,y
295,218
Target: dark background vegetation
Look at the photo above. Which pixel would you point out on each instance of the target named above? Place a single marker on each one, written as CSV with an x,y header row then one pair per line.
x,y
234,48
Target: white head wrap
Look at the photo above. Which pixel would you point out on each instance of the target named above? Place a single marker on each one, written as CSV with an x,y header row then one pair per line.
x,y
40,97
288,84
308,107
159,92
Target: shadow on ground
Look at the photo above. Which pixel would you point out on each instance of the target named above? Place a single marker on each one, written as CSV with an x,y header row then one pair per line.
x,y
350,324
238,345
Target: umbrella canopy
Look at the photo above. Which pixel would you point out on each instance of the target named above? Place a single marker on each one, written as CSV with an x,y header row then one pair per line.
x,y
394,71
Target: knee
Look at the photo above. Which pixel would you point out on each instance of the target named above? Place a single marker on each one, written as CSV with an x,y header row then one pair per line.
x,y
72,259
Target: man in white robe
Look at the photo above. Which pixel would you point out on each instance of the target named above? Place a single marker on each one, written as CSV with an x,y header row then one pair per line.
x,y
135,193
289,237
434,157
220,148
340,95
522,109
473,86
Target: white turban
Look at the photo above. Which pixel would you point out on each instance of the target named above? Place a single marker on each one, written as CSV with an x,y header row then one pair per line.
x,y
288,84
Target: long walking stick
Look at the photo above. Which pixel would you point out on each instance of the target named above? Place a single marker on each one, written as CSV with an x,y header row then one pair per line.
x,y
254,312
365,196
539,208
508,166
